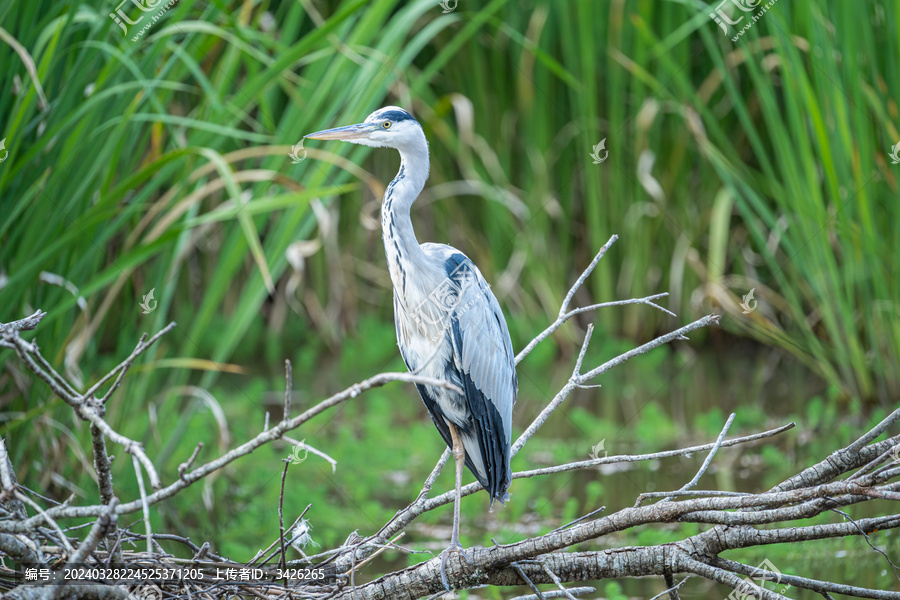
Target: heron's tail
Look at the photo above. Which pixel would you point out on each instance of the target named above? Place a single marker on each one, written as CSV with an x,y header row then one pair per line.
x,y
487,457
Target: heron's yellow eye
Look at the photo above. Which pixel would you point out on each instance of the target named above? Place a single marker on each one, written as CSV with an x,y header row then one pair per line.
x,y
386,124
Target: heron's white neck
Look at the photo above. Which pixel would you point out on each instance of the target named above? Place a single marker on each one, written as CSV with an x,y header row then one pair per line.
x,y
400,245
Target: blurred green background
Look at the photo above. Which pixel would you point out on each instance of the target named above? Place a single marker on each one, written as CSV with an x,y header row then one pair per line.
x,y
158,160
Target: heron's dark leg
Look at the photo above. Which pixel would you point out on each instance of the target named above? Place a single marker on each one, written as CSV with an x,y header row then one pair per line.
x,y
459,455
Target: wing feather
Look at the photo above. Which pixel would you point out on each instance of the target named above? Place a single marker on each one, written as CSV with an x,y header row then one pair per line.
x,y
484,358
476,354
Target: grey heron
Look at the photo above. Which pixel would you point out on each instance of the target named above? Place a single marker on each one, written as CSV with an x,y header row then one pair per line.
x,y
449,324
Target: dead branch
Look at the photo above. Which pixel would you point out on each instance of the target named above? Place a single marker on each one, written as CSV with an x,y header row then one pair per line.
x,y
859,473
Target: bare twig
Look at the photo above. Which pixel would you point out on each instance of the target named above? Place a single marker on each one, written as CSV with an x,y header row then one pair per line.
x,y
578,379
106,520
312,450
669,591
120,370
43,516
143,500
562,318
29,322
85,407
876,431
577,591
580,519
283,561
183,467
391,544
678,334
527,580
556,580
690,484
822,587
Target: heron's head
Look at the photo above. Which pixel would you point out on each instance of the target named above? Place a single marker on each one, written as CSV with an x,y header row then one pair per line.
x,y
388,127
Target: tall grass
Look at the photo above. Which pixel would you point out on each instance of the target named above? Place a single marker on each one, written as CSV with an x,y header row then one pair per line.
x,y
163,165
758,164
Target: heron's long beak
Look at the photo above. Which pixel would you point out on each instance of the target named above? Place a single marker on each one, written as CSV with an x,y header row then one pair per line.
x,y
348,132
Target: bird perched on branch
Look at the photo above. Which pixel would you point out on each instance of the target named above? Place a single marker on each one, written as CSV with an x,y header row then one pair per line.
x,y
449,324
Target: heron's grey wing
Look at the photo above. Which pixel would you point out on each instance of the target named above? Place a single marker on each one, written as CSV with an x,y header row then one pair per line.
x,y
483,354
412,363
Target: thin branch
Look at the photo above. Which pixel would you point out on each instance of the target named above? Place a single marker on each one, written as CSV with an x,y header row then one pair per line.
x,y
102,465
98,531
391,544
565,304
84,409
262,553
669,591
43,516
282,562
586,273
708,460
875,431
183,467
577,379
144,506
815,585
556,580
580,519
868,540
594,462
663,339
527,580
312,450
674,494
122,367
578,591
29,322
557,400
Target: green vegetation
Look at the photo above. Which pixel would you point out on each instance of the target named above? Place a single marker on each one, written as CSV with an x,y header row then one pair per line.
x,y
164,164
